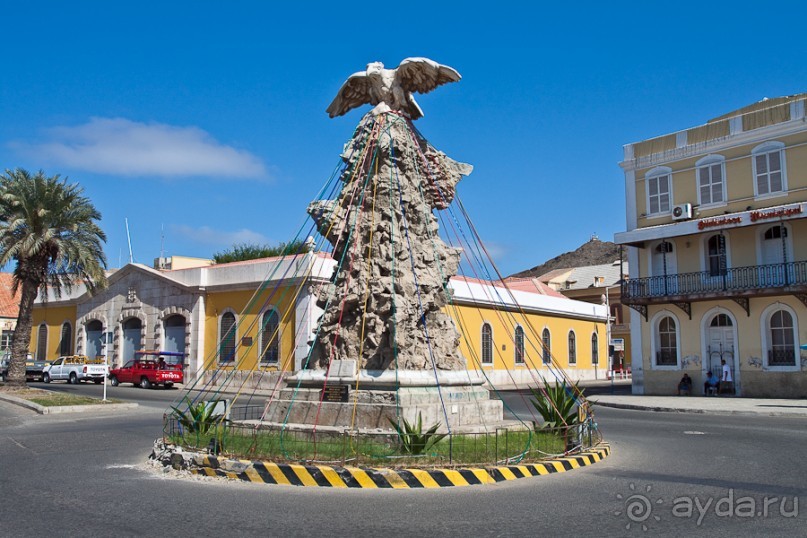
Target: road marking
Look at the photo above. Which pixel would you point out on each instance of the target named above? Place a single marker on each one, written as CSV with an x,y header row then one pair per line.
x,y
693,432
22,445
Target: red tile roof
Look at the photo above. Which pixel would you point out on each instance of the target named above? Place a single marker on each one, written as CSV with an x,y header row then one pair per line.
x,y
532,285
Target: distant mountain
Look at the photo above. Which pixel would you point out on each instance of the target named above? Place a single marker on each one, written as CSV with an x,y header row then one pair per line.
x,y
594,252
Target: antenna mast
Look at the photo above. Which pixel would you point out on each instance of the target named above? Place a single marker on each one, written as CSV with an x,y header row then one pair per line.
x,y
129,240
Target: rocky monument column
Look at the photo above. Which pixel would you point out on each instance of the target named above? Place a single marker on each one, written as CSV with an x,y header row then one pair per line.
x,y
383,336
384,305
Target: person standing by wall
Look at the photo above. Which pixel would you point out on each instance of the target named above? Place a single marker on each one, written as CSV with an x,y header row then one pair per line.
x,y
726,383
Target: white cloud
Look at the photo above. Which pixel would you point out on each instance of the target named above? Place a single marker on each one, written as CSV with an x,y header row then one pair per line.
x,y
206,235
123,147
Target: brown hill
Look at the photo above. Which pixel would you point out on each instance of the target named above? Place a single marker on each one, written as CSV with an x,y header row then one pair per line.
x,y
594,252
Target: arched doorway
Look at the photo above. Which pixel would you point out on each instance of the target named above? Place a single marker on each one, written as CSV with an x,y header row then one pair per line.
x,y
720,344
94,331
174,333
132,329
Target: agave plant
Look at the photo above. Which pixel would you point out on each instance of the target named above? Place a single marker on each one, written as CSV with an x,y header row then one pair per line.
x,y
199,417
557,404
414,441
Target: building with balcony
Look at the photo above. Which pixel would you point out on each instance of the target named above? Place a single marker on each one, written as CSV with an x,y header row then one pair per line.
x,y
717,249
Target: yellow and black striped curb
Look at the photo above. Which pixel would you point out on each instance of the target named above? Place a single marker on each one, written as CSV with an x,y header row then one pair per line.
x,y
372,478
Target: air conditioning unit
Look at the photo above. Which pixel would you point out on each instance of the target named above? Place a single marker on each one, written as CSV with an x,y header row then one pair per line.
x,y
682,212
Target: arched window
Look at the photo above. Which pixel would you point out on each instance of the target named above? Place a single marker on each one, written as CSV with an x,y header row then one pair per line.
x,y
546,339
667,342
782,341
572,348
66,342
270,337
721,320
519,342
769,169
711,180
595,350
227,337
487,344
42,343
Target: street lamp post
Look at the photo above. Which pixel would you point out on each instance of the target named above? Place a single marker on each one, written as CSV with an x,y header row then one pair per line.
x,y
607,303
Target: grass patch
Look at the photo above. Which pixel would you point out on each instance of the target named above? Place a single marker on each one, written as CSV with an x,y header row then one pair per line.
x,y
47,398
381,449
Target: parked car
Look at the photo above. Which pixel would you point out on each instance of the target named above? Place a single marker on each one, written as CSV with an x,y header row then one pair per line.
x,y
75,369
33,368
149,369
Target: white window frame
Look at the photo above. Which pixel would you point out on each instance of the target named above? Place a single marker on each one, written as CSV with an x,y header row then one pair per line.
x,y
571,348
704,241
762,230
482,346
655,344
219,342
708,164
519,345
546,350
263,345
766,149
42,342
5,340
765,326
655,175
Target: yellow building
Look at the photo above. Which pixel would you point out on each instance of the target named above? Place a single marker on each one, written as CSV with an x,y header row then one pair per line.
x,y
252,320
717,221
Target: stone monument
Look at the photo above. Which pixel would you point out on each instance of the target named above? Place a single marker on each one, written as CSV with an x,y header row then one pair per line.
x,y
385,347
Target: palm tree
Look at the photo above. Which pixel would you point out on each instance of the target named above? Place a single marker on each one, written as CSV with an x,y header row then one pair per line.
x,y
48,228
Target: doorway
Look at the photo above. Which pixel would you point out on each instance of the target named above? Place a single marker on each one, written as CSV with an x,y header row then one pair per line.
x,y
720,337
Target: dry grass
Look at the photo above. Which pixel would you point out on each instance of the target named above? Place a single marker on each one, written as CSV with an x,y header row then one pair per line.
x,y
48,398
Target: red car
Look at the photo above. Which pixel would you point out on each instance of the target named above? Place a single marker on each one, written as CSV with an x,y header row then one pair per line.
x,y
149,369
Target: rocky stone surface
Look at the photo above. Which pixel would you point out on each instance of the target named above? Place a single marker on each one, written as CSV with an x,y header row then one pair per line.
x,y
593,252
383,307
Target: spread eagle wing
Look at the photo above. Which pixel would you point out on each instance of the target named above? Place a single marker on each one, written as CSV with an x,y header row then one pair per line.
x,y
422,75
357,90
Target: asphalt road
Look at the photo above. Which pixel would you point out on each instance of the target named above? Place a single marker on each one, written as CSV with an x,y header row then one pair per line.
x,y
669,473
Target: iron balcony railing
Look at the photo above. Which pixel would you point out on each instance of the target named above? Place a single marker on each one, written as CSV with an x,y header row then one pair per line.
x,y
733,280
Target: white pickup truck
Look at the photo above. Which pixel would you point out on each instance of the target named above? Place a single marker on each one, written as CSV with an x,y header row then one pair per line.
x,y
74,369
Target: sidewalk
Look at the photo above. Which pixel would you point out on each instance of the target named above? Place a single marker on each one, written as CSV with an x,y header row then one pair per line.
x,y
713,405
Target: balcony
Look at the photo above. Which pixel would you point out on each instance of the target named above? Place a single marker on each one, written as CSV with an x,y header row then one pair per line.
x,y
737,283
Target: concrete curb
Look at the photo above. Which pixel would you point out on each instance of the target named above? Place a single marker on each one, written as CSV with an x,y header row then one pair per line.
x,y
718,412
384,478
52,410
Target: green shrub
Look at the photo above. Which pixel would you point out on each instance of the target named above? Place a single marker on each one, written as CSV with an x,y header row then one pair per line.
x,y
414,441
558,405
199,417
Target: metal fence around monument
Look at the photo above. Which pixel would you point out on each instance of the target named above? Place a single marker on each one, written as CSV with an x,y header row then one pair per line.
x,y
244,436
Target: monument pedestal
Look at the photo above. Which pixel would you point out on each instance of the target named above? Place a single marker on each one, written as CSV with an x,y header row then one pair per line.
x,y
369,400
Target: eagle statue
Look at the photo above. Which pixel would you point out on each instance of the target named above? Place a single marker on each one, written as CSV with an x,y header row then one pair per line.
x,y
392,89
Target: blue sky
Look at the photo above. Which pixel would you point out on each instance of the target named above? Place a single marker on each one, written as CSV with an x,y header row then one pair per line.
x,y
204,123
